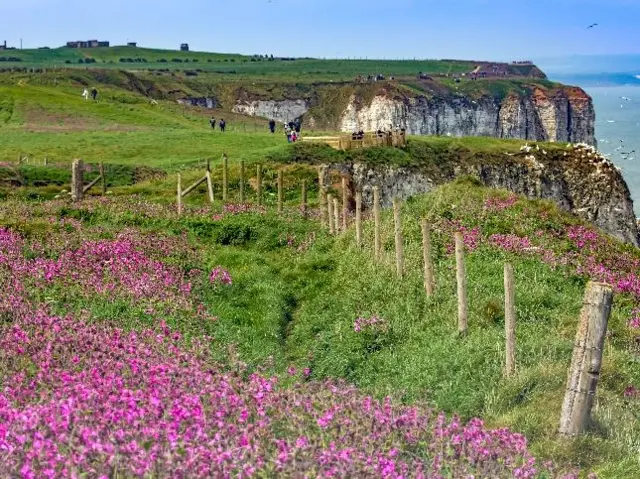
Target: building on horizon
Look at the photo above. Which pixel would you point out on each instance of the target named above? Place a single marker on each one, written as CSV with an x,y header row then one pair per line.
x,y
132,44
88,44
184,47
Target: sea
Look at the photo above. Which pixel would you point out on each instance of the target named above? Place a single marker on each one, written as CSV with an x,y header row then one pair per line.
x,y
618,130
613,82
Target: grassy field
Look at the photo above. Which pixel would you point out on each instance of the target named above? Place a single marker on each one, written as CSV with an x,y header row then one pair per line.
x,y
298,292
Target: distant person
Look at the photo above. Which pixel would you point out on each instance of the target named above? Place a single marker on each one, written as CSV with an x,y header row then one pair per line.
x,y
212,122
294,137
94,94
223,125
272,126
85,94
287,132
297,126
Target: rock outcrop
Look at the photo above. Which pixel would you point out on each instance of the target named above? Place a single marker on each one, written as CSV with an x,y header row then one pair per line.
x,y
281,111
578,179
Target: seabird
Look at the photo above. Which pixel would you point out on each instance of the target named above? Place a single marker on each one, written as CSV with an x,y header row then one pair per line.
x,y
592,25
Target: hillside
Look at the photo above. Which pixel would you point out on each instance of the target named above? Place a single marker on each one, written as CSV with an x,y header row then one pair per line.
x,y
248,291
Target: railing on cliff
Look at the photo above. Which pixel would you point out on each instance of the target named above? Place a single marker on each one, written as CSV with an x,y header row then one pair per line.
x,y
397,139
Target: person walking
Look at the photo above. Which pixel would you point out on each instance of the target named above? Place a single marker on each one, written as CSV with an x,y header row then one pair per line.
x,y
272,126
85,94
94,94
212,122
287,131
223,125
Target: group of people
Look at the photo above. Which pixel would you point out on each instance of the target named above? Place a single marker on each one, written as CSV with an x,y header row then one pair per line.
x,y
93,94
222,124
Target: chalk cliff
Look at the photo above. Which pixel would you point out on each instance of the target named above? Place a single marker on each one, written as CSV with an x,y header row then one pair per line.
x,y
578,179
533,111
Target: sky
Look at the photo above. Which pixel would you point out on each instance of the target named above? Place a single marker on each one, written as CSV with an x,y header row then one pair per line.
x,y
465,29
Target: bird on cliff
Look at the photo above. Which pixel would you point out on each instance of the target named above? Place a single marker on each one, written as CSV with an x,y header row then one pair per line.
x,y
592,26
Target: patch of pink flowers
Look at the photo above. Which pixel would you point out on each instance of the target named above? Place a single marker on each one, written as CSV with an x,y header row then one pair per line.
x,y
373,322
499,204
231,209
220,276
511,243
631,393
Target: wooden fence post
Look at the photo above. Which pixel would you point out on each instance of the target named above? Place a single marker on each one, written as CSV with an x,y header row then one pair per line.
x,y
462,285
336,214
345,203
241,181
359,219
46,162
280,191
323,199
259,187
397,208
103,179
303,206
77,180
377,243
179,194
429,281
510,319
330,213
225,178
587,359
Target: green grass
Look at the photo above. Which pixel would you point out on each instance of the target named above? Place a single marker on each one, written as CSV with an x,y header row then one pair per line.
x,y
297,306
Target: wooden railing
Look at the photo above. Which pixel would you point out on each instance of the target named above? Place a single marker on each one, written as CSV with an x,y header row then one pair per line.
x,y
347,142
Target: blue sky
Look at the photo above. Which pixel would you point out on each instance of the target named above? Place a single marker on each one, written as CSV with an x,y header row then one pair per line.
x,y
474,29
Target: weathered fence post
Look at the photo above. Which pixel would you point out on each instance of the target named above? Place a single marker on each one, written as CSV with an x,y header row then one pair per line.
x,y
359,219
345,203
225,178
259,186
323,199
377,244
462,285
336,213
330,214
103,179
77,180
46,162
303,206
280,191
587,359
510,319
179,194
429,281
397,208
241,181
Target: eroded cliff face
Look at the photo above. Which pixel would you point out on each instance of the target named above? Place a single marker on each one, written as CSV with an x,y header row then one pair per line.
x,y
579,180
566,115
281,111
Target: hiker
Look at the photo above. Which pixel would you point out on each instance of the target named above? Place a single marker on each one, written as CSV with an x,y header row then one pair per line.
x,y
294,136
212,122
297,125
94,94
85,94
287,132
272,126
223,125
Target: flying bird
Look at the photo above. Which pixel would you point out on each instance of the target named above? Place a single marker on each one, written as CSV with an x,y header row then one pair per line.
x,y
592,25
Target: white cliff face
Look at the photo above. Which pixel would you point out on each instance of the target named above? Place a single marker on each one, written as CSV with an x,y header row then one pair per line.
x,y
539,117
281,111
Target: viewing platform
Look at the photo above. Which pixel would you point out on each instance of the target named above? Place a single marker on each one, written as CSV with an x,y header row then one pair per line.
x,y
397,139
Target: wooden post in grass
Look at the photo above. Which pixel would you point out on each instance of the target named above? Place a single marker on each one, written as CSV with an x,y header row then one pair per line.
x,y
429,281
241,181
587,359
46,162
359,219
397,207
225,178
179,194
462,285
510,319
303,205
345,203
103,179
323,200
330,214
259,186
77,180
377,244
280,191
336,213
